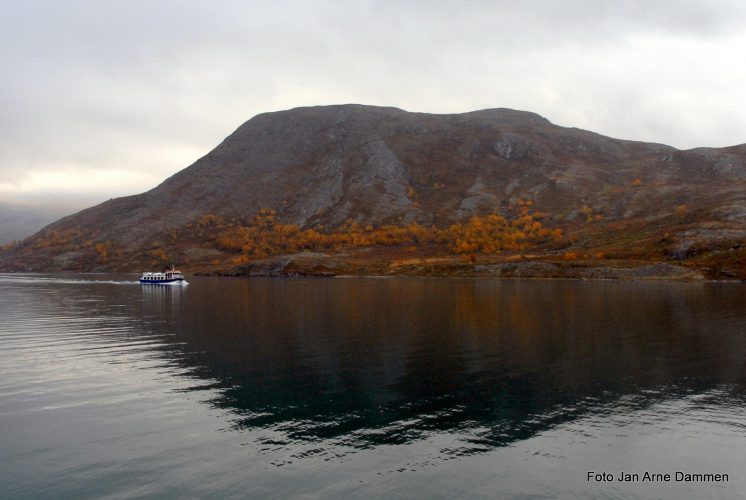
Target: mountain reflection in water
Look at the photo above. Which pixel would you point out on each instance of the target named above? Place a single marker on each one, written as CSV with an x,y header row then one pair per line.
x,y
419,371
369,362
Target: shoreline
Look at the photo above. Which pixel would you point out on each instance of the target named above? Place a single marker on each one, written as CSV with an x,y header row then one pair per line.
x,y
217,274
319,265
537,266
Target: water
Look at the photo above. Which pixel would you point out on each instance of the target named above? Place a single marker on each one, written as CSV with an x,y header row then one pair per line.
x,y
414,388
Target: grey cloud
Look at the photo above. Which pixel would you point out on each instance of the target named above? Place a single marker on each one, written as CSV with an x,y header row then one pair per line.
x,y
144,85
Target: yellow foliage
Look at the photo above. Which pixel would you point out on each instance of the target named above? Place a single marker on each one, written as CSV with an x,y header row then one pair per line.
x,y
103,250
159,254
490,234
590,215
494,233
210,220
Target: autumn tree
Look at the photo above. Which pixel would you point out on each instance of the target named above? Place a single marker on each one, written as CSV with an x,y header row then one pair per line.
x,y
265,235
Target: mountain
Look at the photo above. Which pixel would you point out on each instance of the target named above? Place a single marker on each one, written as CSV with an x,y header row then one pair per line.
x,y
324,167
19,221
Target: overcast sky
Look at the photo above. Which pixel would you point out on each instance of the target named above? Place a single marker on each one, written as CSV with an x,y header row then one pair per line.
x,y
107,98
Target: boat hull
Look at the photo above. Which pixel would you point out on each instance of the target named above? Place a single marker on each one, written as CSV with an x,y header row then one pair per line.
x,y
179,281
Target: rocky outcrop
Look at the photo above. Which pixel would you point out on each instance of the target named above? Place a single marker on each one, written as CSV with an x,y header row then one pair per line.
x,y
658,271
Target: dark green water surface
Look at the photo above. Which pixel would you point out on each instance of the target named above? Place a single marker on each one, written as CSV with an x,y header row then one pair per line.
x,y
360,388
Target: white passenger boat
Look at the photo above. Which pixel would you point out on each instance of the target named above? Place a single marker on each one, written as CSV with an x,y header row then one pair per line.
x,y
166,277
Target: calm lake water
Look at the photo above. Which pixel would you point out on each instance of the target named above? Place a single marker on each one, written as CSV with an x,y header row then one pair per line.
x,y
415,388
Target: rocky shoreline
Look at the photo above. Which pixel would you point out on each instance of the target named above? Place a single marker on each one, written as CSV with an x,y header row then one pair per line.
x,y
322,265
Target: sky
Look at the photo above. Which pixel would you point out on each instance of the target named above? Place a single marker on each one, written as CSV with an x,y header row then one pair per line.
x,y
101,98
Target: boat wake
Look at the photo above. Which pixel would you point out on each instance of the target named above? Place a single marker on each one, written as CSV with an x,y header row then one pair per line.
x,y
39,280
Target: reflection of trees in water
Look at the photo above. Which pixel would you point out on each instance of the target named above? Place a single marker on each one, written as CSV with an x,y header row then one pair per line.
x,y
371,362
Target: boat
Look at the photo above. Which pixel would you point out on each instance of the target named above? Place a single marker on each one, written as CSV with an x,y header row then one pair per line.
x,y
165,277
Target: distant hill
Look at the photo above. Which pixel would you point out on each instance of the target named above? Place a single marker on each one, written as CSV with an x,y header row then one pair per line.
x,y
322,167
20,221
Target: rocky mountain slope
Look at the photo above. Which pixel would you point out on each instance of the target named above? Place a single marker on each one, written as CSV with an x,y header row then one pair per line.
x,y
324,166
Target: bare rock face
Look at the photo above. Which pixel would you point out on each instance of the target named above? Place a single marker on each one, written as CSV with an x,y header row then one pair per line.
x,y
330,164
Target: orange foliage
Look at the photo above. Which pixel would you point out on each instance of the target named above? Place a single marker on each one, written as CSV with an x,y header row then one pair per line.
x,y
102,249
58,240
160,255
210,220
494,233
590,215
265,235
